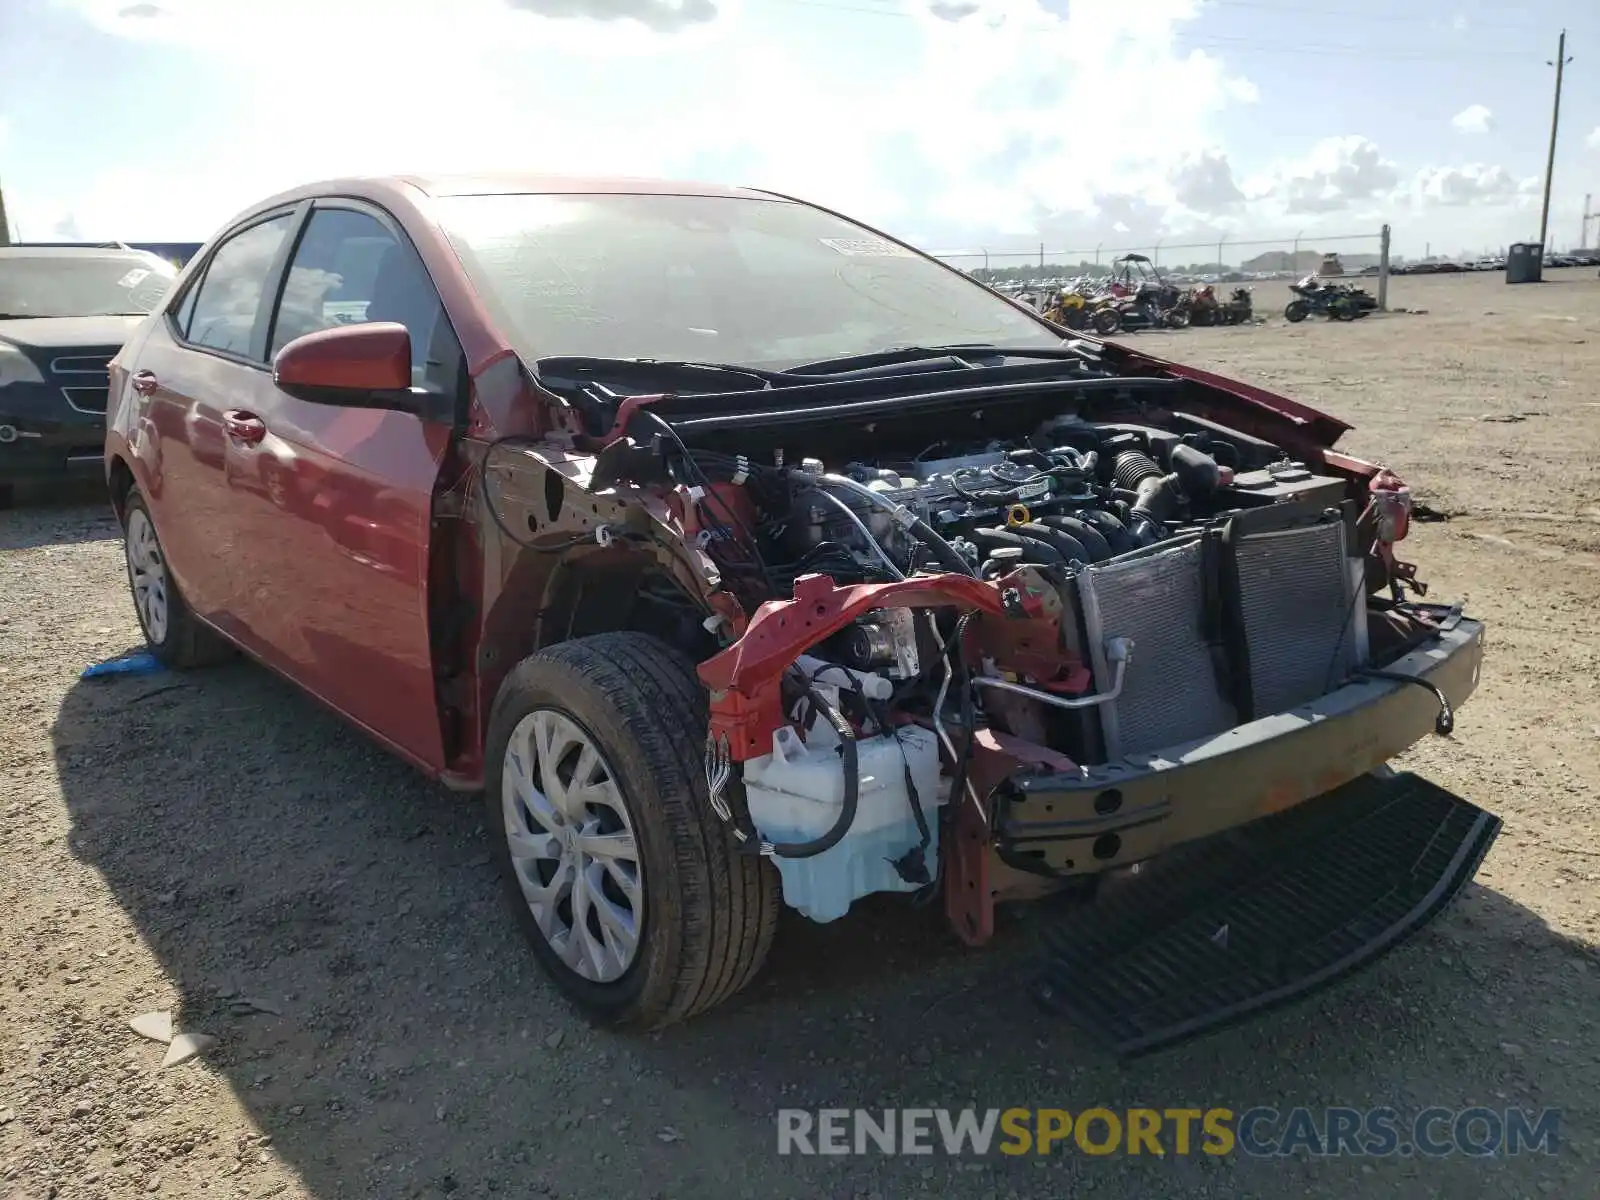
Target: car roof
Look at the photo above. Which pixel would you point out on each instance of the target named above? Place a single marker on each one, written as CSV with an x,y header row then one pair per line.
x,y
382,188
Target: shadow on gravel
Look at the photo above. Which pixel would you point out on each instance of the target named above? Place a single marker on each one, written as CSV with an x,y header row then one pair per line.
x,y
266,851
56,514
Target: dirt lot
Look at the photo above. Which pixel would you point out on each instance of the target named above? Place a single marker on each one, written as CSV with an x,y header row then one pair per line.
x,y
180,843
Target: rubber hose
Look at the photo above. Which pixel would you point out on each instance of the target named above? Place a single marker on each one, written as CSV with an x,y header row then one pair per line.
x,y
1086,535
852,785
1111,526
1033,550
1069,547
1196,470
1133,467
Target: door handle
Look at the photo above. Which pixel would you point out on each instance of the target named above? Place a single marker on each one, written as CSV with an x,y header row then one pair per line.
x,y
145,382
244,427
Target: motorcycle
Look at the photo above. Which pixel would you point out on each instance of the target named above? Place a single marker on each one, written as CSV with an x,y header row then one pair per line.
x,y
1337,302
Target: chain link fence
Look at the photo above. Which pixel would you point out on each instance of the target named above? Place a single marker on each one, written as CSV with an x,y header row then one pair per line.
x,y
1224,260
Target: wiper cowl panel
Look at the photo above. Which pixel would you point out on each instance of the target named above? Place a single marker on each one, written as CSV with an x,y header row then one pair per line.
x,y
656,371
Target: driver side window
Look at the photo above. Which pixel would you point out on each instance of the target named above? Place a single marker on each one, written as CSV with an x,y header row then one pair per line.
x,y
350,269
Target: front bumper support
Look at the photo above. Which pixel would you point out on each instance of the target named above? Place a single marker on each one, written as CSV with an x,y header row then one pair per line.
x,y
1123,812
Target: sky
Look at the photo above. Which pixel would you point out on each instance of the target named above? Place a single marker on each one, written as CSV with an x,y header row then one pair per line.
x,y
988,126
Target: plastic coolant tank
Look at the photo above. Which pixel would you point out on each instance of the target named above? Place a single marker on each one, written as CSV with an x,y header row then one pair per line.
x,y
795,794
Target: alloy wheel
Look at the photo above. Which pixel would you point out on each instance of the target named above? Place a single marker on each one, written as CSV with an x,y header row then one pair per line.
x,y
147,574
572,845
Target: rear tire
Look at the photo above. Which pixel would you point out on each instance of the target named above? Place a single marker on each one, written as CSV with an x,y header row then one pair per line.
x,y
175,636
1107,321
667,919
1297,311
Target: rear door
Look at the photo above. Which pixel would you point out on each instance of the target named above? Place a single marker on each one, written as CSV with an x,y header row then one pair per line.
x,y
338,501
205,359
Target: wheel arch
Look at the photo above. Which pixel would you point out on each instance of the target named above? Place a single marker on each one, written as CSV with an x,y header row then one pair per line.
x,y
119,482
547,600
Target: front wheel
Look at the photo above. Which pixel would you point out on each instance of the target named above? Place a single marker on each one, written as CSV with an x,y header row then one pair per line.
x,y
1107,321
635,897
1297,311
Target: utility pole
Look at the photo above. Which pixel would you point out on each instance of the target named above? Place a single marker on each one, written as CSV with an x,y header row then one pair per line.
x,y
1555,121
5,226
1588,215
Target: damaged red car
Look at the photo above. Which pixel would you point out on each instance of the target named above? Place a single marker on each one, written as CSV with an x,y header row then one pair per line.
x,y
745,557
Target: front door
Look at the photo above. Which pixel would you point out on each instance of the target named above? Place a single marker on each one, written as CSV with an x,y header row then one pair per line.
x,y
198,366
339,501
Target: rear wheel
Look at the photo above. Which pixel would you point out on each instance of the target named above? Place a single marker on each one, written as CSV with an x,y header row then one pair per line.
x,y
1297,311
1107,321
635,897
170,629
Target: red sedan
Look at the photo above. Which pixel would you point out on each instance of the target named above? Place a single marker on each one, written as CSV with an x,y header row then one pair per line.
x,y
746,557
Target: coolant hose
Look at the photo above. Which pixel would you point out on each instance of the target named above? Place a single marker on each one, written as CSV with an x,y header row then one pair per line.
x,y
852,785
949,558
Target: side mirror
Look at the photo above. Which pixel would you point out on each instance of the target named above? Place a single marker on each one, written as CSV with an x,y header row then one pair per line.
x,y
360,366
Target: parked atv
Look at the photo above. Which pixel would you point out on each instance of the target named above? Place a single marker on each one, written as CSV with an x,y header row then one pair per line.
x,y
1337,302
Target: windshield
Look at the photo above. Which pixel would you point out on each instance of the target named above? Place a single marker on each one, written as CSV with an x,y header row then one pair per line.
x,y
756,282
59,285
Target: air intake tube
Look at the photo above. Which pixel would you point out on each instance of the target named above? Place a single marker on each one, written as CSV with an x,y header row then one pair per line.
x,y
1157,497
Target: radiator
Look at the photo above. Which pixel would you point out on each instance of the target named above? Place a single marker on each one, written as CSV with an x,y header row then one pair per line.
x,y
1295,606
1226,627
1170,690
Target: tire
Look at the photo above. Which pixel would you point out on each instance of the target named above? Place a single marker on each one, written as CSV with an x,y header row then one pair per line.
x,y
702,913
1177,320
1345,312
1297,311
174,635
1107,321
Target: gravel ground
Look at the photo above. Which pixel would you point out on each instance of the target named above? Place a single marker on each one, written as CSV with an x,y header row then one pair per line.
x,y
200,843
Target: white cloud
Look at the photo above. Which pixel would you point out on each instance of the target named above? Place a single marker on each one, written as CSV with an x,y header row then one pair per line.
x,y
1475,118
1473,184
665,15
957,139
959,134
1337,173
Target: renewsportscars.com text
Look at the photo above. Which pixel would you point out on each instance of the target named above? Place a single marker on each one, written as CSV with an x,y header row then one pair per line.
x,y
1257,1132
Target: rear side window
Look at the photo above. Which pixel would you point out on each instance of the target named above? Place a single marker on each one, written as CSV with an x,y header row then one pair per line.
x,y
350,269
230,295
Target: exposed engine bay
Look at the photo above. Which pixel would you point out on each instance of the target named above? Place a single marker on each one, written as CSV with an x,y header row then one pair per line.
x,y
1074,492
968,653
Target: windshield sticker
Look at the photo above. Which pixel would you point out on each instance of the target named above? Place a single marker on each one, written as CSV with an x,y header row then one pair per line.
x,y
866,247
133,278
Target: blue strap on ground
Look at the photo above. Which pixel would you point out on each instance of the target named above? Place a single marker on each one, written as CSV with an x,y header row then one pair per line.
x,y
142,663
